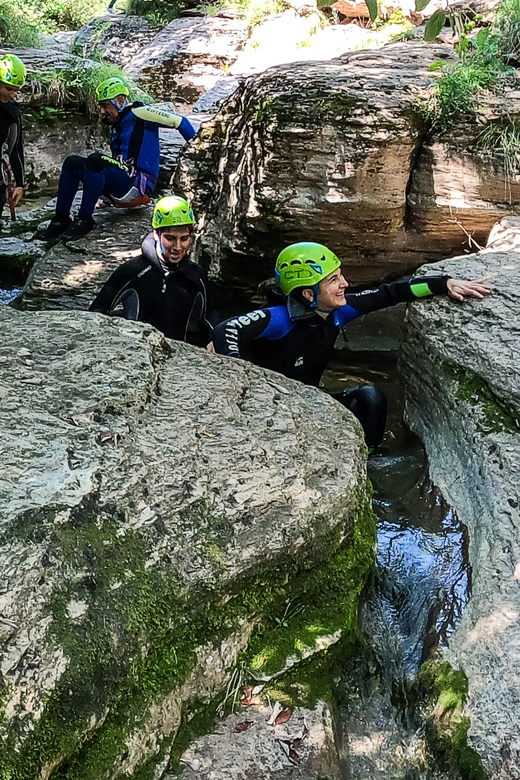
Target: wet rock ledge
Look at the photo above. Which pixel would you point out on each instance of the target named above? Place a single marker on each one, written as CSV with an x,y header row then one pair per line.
x,y
462,374
157,506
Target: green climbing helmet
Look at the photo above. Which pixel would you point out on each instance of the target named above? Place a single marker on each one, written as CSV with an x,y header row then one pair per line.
x,y
111,88
304,265
172,211
12,70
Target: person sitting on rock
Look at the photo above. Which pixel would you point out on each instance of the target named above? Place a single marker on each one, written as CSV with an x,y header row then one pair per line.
x,y
297,337
129,177
12,78
163,286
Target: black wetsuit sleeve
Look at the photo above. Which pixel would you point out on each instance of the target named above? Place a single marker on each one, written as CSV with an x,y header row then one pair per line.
x,y
16,155
211,318
396,292
231,336
116,284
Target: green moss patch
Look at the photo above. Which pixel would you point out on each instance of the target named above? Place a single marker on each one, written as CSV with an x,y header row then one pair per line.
x,y
444,691
496,415
131,630
324,603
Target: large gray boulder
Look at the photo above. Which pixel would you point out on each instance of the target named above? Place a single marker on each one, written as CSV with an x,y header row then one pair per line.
x,y
188,57
338,152
462,378
70,276
115,38
155,502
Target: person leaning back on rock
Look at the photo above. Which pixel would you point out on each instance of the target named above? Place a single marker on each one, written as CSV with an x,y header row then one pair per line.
x,y
129,177
12,78
297,337
163,286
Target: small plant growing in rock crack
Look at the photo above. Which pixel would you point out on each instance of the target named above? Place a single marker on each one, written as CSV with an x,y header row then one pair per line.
x,y
290,612
233,691
480,67
501,141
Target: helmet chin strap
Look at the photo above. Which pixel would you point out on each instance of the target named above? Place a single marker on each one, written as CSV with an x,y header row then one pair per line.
x,y
158,245
314,302
121,107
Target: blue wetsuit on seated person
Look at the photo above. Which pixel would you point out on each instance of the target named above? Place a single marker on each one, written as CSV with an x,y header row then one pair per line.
x,y
295,341
129,176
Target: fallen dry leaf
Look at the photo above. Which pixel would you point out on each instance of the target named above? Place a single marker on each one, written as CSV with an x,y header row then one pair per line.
x,y
283,716
246,698
244,726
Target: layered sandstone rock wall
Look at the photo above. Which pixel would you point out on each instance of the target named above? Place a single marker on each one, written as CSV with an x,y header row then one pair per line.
x,y
339,152
461,372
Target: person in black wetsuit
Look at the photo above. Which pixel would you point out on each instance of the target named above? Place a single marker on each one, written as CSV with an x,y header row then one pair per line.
x,y
163,286
12,78
128,177
297,338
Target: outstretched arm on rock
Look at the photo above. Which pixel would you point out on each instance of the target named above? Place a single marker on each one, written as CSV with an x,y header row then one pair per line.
x,y
460,289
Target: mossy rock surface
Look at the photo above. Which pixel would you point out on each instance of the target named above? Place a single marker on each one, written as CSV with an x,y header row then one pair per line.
x,y
157,505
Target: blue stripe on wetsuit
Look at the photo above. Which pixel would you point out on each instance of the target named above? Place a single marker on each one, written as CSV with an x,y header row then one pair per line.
x,y
186,129
279,324
345,314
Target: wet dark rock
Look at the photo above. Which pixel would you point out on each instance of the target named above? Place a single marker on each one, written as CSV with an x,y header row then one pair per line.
x,y
462,379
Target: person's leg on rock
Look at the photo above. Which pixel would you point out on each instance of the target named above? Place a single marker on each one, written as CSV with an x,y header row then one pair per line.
x,y
71,176
102,176
369,405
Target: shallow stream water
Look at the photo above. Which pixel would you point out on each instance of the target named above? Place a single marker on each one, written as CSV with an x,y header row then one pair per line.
x,y
416,597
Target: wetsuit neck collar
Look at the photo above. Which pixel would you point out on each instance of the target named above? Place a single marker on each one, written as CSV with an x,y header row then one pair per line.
x,y
300,310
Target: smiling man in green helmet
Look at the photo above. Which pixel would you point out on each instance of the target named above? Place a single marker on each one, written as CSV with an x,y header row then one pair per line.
x,y
163,286
297,337
12,79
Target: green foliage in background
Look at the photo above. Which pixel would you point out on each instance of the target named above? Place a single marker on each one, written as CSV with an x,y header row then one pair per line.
x,y
483,65
163,11
507,30
77,85
23,22
16,26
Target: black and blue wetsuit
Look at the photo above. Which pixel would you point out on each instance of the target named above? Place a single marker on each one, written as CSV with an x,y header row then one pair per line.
x,y
294,340
131,171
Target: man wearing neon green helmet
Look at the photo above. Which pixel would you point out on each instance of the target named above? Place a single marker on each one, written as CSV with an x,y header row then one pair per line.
x,y
162,286
128,177
296,338
12,78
